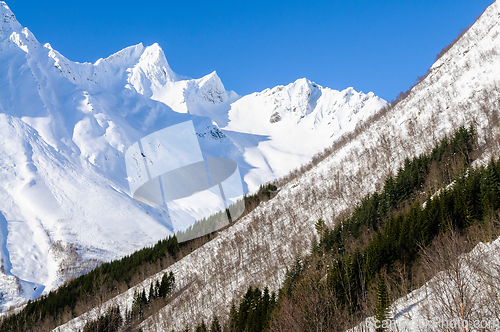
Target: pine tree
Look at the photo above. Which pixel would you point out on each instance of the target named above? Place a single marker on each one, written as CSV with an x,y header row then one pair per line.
x,y
201,327
266,307
136,304
157,289
320,226
167,284
215,327
144,298
381,309
489,188
152,295
233,319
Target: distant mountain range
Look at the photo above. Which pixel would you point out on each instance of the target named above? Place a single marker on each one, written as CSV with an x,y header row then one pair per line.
x,y
65,128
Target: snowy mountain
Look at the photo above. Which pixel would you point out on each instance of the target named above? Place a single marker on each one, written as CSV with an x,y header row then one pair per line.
x,y
461,88
292,123
65,128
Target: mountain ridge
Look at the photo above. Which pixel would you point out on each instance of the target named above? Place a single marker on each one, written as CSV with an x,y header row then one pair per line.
x,y
70,123
258,249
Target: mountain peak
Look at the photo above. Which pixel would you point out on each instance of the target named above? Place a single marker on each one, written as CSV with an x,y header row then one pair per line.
x,y
304,84
155,49
11,29
153,56
209,89
212,77
5,10
8,20
302,81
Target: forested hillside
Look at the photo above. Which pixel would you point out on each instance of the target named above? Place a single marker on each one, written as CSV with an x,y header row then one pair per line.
x,y
382,250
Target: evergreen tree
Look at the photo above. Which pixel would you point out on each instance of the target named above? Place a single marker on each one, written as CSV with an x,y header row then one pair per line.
x,y
233,319
167,284
157,288
144,298
201,327
152,294
136,305
490,188
215,327
266,307
320,226
381,309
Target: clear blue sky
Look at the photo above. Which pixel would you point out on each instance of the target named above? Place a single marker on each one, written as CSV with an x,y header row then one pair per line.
x,y
379,46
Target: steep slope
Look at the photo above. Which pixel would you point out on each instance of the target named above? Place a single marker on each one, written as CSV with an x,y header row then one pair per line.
x,y
65,128
462,87
428,308
65,203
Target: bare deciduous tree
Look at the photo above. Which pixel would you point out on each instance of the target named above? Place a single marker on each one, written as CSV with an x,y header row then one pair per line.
x,y
455,295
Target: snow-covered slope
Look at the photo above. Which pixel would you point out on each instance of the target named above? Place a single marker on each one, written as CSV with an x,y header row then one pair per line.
x,y
64,130
292,123
431,307
462,87
466,81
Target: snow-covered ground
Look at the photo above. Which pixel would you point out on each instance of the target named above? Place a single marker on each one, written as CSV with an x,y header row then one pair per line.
x,y
462,87
437,305
65,203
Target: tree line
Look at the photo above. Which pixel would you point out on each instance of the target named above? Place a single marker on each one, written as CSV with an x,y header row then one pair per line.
x,y
220,219
251,315
52,305
142,305
111,278
387,233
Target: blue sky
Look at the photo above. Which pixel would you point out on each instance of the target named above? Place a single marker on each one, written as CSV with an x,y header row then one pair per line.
x,y
379,46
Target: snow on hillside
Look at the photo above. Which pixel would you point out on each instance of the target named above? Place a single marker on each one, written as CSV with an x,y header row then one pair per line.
x,y
65,203
65,128
292,123
462,87
431,307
